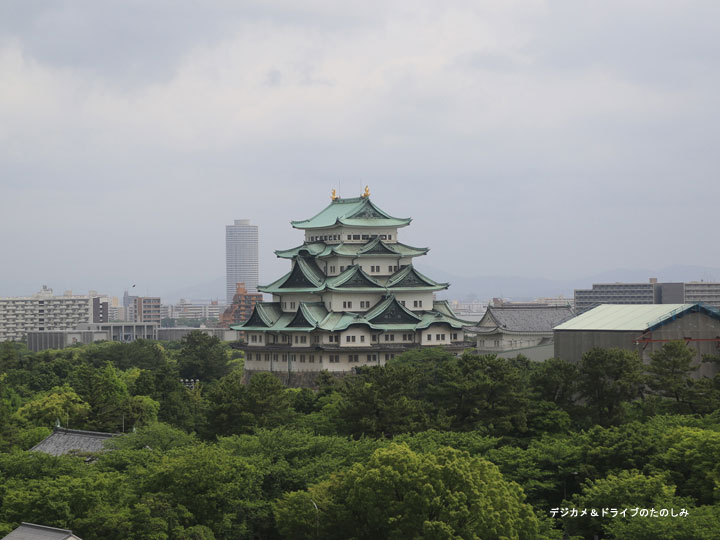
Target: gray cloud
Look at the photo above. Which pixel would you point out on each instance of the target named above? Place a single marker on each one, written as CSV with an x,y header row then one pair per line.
x,y
528,138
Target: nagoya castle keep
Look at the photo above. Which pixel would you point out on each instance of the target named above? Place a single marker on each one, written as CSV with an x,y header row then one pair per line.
x,y
352,297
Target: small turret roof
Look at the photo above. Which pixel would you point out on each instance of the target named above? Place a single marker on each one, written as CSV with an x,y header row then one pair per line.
x,y
408,277
353,277
356,212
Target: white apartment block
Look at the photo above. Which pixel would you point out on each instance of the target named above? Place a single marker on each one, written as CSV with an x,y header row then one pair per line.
x,y
42,312
189,310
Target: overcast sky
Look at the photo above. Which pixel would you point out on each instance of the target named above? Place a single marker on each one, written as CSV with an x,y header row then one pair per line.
x,y
531,138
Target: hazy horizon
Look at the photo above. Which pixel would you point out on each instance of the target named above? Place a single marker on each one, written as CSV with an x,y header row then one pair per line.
x,y
552,140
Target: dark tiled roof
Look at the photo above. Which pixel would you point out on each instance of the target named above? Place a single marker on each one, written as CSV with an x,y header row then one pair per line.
x,y
526,319
72,441
30,531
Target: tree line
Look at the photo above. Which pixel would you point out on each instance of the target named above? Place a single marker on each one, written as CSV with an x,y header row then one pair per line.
x,y
430,446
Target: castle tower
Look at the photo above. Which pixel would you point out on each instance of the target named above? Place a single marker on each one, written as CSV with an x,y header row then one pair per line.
x,y
352,297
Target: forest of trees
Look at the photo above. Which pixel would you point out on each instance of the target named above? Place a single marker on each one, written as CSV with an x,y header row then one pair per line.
x,y
431,446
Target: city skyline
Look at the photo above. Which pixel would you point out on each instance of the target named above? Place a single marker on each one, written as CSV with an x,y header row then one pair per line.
x,y
516,135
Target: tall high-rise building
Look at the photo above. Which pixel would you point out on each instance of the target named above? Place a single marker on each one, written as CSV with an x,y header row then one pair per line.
x,y
241,257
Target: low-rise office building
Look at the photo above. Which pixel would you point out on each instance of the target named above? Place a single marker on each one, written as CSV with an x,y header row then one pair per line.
x,y
90,333
641,328
178,333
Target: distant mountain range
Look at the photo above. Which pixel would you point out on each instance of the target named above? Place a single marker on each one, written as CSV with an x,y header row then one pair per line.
x,y
487,287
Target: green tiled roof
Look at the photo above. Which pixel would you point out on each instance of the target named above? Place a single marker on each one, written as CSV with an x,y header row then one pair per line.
x,y
409,278
356,212
630,317
320,249
306,277
313,249
353,278
388,314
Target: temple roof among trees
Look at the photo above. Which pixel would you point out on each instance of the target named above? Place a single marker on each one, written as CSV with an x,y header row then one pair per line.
x,y
64,441
31,531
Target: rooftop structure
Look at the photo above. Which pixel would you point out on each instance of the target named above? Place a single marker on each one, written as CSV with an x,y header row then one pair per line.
x,y
64,441
624,317
31,531
352,297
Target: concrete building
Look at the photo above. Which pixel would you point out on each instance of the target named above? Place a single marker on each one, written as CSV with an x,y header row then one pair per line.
x,y
352,297
44,311
651,292
193,310
178,333
90,333
241,257
641,328
146,309
702,291
509,330
241,308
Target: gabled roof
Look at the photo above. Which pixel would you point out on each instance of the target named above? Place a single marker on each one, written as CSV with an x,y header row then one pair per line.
x,y
353,277
408,277
305,275
73,441
541,319
376,247
308,316
356,212
390,311
264,314
320,250
633,317
31,531
388,314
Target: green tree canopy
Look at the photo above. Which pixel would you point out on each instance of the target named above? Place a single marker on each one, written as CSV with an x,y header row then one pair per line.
x,y
401,494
